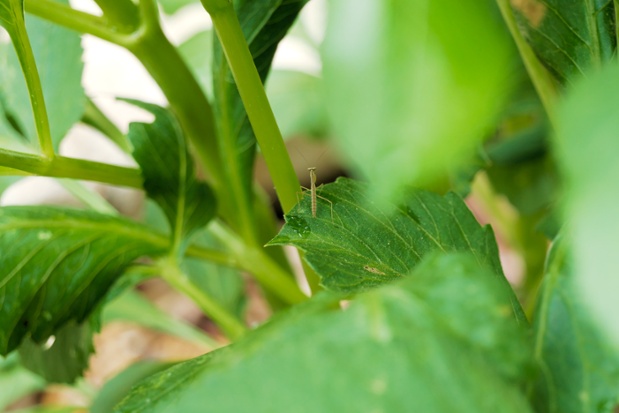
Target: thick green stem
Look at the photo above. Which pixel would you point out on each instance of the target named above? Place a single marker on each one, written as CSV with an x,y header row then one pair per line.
x,y
233,327
254,260
61,167
542,80
255,100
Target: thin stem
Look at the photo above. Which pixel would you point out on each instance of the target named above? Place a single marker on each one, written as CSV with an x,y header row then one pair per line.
x,y
62,167
256,103
177,279
79,21
165,65
94,117
255,261
92,199
542,80
21,42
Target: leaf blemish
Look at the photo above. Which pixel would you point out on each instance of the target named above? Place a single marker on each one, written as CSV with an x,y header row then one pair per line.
x,y
44,235
532,10
373,270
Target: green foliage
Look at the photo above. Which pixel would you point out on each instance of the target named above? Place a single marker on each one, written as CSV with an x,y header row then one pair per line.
x,y
355,243
410,309
396,346
569,36
169,177
587,148
66,358
580,369
60,79
57,264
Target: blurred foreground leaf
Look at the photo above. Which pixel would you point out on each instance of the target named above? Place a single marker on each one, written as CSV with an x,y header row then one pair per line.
x,y
398,348
587,149
579,367
410,96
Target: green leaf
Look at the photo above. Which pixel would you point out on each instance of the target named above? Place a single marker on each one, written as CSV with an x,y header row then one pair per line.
x,y
68,356
410,96
586,149
355,243
569,36
579,366
58,263
264,24
60,78
447,328
168,170
16,381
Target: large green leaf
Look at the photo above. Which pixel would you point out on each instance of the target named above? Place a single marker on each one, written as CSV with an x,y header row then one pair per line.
x,y
354,243
412,86
569,36
264,24
169,176
58,263
60,78
579,367
443,340
586,149
66,359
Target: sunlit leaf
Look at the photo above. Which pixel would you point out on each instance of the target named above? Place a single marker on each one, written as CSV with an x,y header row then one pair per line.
x,y
394,349
58,263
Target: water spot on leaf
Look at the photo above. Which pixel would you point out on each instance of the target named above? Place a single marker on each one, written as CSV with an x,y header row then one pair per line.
x,y
532,10
298,225
49,343
44,235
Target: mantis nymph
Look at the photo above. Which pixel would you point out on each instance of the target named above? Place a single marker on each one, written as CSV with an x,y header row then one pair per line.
x,y
314,195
